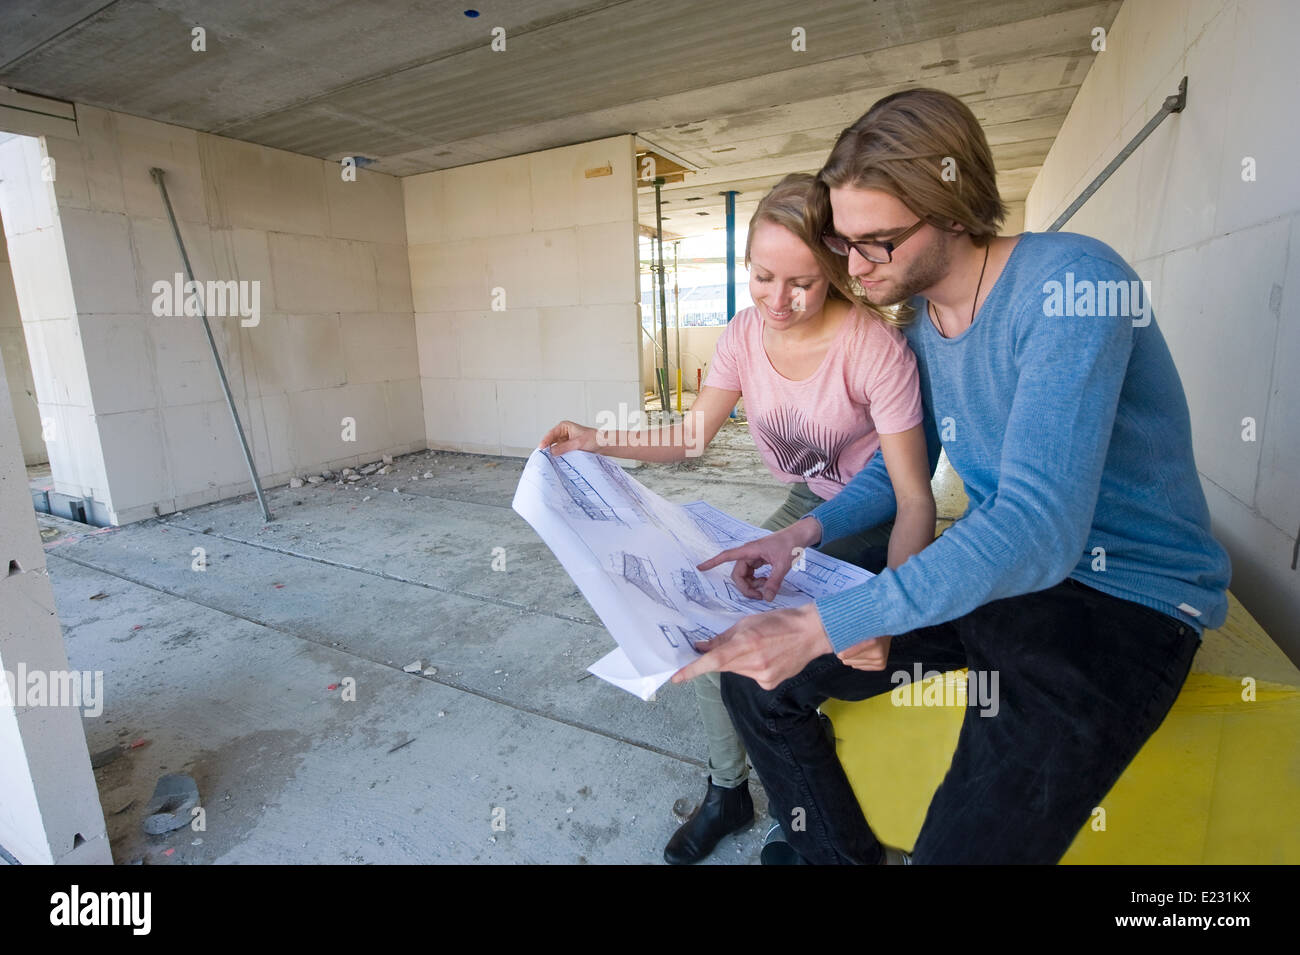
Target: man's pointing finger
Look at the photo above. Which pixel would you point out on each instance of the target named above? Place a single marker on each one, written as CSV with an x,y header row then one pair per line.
x,y
717,559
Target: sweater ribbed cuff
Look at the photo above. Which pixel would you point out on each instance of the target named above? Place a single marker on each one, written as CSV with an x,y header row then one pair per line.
x,y
834,519
851,616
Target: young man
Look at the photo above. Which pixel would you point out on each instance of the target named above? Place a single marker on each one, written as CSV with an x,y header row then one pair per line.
x,y
1083,571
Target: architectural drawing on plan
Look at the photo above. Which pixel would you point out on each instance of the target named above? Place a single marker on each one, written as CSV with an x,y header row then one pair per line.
x,y
623,544
788,596
692,586
630,489
580,490
721,528
693,637
827,574
640,573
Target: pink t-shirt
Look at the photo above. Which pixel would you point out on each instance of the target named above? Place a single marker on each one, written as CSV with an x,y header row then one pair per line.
x,y
825,428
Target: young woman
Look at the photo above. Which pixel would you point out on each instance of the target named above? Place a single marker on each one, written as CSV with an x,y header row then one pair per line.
x,y
825,385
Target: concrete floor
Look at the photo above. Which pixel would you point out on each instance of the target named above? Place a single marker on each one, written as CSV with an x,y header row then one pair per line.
x,y
224,674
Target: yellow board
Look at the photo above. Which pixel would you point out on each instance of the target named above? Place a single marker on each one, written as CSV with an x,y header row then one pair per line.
x,y
1218,782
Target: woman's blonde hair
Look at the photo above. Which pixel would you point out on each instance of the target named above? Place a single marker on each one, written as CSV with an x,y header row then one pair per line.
x,y
787,205
925,148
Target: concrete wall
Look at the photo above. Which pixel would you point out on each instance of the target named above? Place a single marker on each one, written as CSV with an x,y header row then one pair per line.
x,y
335,340
18,366
49,804
44,288
1015,221
561,248
1222,253
698,343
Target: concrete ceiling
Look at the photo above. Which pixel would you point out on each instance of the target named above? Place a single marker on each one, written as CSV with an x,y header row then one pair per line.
x,y
416,86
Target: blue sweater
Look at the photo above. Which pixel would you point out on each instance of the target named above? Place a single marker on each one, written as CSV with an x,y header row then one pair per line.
x,y
1062,412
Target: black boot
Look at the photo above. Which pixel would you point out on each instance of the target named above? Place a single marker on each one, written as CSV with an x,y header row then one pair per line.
x,y
777,849
723,812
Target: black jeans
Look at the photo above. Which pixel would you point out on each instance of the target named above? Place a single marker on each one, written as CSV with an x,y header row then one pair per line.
x,y
1083,680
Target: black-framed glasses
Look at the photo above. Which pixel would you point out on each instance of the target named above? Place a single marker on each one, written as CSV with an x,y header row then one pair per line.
x,y
879,252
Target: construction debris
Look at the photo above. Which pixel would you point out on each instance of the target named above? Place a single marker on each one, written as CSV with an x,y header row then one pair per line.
x,y
173,798
105,756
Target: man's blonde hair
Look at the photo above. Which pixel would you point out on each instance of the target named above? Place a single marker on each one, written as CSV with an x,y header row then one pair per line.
x,y
925,148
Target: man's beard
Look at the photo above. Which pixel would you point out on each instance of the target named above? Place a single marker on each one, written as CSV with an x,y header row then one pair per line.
x,y
921,274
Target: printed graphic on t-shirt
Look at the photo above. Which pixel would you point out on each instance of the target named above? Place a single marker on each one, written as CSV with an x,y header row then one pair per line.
x,y
801,446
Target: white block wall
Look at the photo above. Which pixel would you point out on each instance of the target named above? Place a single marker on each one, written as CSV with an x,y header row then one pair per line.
x,y
49,804
43,287
698,343
1222,254
18,366
336,338
562,248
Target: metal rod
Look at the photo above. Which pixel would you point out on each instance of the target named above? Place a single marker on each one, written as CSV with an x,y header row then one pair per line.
x,y
677,321
731,252
661,360
731,261
663,298
654,344
1172,104
158,175
653,341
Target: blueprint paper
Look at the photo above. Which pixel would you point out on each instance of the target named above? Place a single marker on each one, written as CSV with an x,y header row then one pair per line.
x,y
633,556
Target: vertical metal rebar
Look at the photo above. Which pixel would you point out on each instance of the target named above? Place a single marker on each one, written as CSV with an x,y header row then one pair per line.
x,y
158,177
